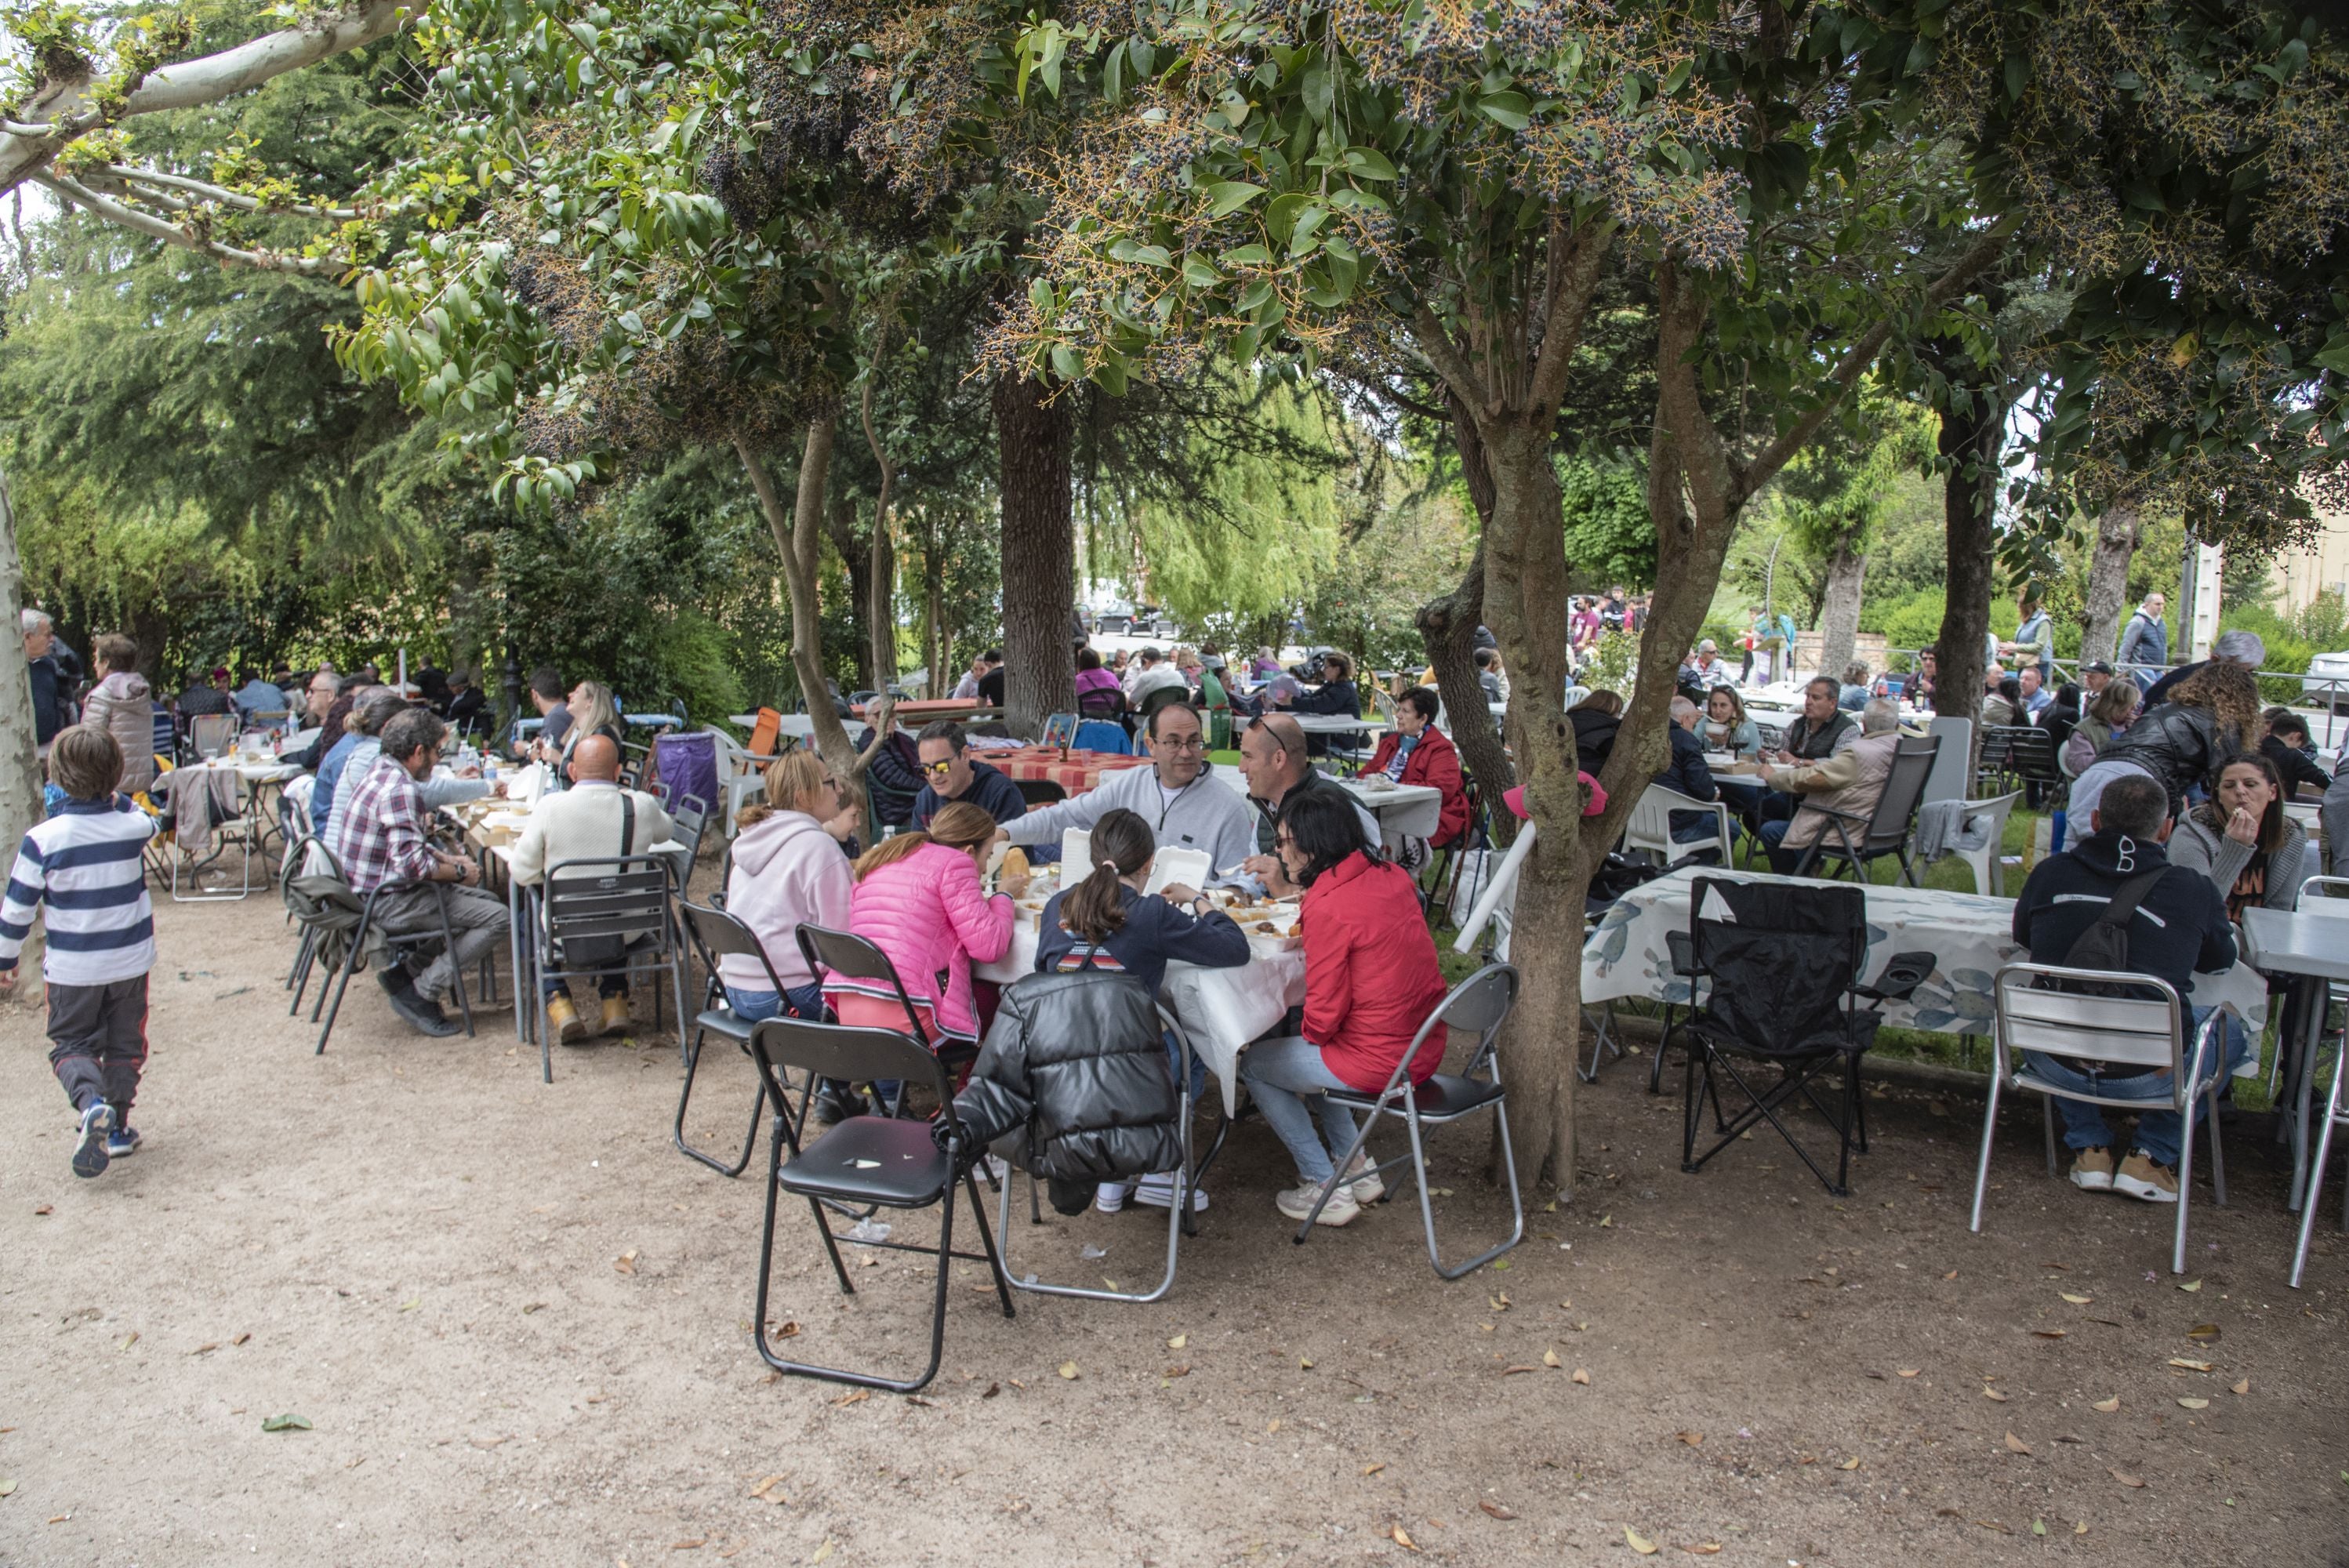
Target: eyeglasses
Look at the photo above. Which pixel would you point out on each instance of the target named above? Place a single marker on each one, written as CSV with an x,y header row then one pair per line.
x,y
939,769
1182,742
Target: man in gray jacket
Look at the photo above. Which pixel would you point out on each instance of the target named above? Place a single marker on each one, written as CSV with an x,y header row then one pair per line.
x,y
1186,807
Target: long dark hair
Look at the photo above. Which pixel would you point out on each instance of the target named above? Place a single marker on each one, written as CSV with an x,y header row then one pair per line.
x,y
1122,843
1322,823
2213,816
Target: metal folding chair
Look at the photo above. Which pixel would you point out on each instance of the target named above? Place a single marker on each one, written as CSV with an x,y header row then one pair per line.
x,y
1887,830
627,897
358,944
867,1163
720,935
2145,1029
851,957
1481,1003
320,901
242,829
2334,1114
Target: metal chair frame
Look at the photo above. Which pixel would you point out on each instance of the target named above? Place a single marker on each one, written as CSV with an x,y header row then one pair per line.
x,y
615,902
1483,1003
719,934
359,949
853,957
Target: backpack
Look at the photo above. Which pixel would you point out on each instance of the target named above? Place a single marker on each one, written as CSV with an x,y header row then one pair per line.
x,y
2104,944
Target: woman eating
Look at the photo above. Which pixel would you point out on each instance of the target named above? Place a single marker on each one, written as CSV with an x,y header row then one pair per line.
x,y
2240,838
918,898
1725,727
1416,752
789,871
1370,981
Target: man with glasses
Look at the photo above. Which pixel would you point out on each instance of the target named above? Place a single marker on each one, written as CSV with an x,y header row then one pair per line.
x,y
1185,807
948,773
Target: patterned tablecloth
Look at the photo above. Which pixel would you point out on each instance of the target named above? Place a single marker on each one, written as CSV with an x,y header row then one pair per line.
x,y
1969,936
1222,1010
1077,772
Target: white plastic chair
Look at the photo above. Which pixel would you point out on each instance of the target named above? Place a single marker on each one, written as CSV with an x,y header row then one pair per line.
x,y
1650,827
2149,1032
1987,863
741,773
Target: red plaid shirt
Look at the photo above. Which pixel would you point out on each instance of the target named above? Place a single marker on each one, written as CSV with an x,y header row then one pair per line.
x,y
383,836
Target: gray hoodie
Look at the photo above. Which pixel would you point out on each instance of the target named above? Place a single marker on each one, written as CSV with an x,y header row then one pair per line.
x,y
1208,814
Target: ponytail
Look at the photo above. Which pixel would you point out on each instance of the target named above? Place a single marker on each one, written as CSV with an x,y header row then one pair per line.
x,y
1095,909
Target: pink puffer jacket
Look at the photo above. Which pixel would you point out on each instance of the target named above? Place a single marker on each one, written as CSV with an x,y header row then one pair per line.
x,y
927,913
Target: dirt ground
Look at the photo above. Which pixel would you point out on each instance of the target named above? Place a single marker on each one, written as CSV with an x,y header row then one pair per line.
x,y
515,1318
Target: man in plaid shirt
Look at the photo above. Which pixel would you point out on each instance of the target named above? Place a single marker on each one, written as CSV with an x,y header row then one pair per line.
x,y
382,839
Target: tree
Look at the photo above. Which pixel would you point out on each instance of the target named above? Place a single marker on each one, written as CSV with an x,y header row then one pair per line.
x,y
1835,494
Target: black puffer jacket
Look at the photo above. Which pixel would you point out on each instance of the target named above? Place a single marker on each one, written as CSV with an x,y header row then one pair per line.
x,y
1079,1060
2177,744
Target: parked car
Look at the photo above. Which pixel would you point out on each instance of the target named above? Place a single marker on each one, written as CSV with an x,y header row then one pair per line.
x,y
2327,684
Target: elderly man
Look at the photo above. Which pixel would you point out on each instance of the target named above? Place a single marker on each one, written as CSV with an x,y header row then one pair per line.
x,y
2095,677
49,714
385,837
2245,648
1689,774
2036,698
1278,768
1186,807
595,819
1708,669
2144,641
1849,782
950,773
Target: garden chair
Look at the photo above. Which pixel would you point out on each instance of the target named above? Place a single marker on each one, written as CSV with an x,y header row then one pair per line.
x,y
1650,827
1887,830
589,903
393,949
720,935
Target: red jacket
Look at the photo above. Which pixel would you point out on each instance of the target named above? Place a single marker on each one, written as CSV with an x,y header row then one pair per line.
x,y
1436,763
1371,974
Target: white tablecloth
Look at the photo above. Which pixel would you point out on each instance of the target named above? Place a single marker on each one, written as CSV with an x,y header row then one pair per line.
x,y
1222,1010
1969,936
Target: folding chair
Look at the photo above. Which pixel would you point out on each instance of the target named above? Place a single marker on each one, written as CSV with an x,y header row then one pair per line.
x,y
358,948
1101,705
689,819
850,957
1040,792
1650,827
1778,964
2334,1114
322,903
742,768
211,735
720,935
242,829
604,896
2144,1025
1476,835
1993,769
1887,830
1483,1003
867,1162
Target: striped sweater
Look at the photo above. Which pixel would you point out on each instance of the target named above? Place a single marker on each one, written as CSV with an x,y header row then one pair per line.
x,y
84,865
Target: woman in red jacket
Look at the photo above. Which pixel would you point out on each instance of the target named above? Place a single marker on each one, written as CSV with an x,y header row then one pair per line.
x,y
1416,752
1370,980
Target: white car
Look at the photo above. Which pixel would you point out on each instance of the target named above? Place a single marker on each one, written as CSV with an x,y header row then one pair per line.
x,y
2327,684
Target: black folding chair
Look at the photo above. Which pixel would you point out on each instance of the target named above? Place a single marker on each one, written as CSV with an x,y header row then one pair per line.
x,y
1481,1003
1778,965
323,905
720,935
1994,760
850,957
600,897
867,1163
1040,792
689,819
1887,830
398,940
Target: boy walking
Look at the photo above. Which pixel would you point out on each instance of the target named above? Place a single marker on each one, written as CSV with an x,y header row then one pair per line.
x,y
83,865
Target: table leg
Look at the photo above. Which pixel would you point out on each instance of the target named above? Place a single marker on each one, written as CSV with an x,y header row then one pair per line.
x,y
513,958
2317,998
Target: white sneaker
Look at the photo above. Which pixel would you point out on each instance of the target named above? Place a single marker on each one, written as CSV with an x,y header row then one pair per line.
x,y
1109,1196
1158,1191
1363,1179
1297,1202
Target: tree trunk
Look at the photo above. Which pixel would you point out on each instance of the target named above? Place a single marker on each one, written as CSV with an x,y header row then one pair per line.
x,y
857,558
20,765
1969,444
1448,626
797,538
1039,555
1839,617
881,614
2107,607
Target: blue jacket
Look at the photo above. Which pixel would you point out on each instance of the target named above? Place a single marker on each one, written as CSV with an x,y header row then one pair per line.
x,y
1154,931
330,772
991,790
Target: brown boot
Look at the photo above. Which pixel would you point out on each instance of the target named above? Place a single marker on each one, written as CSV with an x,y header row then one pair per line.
x,y
615,1015
569,1027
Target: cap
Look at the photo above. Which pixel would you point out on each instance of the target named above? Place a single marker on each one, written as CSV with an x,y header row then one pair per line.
x,y
2096,667
220,672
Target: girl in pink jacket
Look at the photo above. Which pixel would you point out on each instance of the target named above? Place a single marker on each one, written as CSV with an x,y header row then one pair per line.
x,y
918,899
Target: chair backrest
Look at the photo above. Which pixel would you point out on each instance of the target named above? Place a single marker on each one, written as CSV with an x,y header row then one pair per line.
x,y
1061,730
212,734
1650,827
688,819
1783,956
1099,736
763,734
1164,697
1100,703
1041,791
848,1054
1997,743
2030,753
606,895
851,957
162,731
632,767
1948,779
720,935
1479,1004
2323,887
1904,788
2035,1015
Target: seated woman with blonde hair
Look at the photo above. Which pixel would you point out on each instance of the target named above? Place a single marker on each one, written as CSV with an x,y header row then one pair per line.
x,y
789,870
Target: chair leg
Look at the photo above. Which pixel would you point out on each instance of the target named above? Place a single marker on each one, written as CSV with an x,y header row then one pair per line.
x,y
2218,1156
2185,1192
985,1242
2047,1121
1982,1165
2316,1185
351,962
684,1097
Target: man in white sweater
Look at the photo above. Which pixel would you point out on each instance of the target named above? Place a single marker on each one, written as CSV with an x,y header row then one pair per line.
x,y
1186,807
593,819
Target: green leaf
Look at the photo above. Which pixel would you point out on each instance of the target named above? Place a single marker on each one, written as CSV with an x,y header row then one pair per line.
x,y
1247,256
1368,163
1513,109
1148,256
1228,196
1679,79
1200,273
1113,75
288,1423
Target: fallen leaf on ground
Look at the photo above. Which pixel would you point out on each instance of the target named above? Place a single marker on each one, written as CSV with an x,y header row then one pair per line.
x,y
1402,1538
1512,1371
1991,1393
2203,1331
855,1396
1582,1375
2108,1405
411,1304
2016,1445
492,1443
1638,1542
2075,1300
128,1340
1499,1302
2191,1285
7,1485
1068,1370
1179,1341
2048,1332
2195,1404
1374,1468
1494,1509
2245,1386
1272,1428
1549,1359
1181,1369
2127,1479
43,1208
2081,1528
1606,1224
206,1348
1690,1439
1305,1364
626,1262
1910,1371
1849,1464
992,1390
288,1423
823,1551
240,1338
766,1485
2189,1366
1703,1549
1951,1275
689,1545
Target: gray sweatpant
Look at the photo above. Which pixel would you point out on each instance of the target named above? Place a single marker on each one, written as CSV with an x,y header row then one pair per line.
x,y
477,918
98,1037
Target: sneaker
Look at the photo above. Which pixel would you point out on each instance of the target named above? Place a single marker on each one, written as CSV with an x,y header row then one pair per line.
x,y
615,1015
422,1012
89,1156
1109,1196
1297,1202
570,1029
2139,1177
124,1140
1363,1179
1158,1191
395,979
2092,1169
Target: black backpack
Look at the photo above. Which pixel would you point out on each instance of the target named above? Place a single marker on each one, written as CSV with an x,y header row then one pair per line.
x,y
2104,944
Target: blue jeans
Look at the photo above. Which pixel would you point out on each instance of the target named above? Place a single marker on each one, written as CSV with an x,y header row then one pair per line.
x,y
754,1006
1284,1074
1174,1067
2159,1132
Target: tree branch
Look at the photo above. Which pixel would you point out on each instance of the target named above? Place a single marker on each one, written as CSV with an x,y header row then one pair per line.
x,y
1576,280
1444,356
155,228
223,195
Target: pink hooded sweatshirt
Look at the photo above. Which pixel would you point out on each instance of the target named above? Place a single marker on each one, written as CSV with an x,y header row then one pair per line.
x,y
927,913
124,708
787,871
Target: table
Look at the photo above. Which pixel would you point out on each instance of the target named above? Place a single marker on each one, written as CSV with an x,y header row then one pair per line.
x,y
1416,809
1336,723
2310,946
1970,935
1075,771
1222,1010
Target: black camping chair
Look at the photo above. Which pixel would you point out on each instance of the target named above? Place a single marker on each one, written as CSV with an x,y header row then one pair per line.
x,y
1040,792
853,958
867,1163
2031,757
1887,830
1777,966
716,935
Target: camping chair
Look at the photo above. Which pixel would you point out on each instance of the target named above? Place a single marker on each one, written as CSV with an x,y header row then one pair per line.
x,y
862,1163
2046,1008
242,829
720,935
600,897
1993,769
1886,831
1040,792
1179,1214
1650,827
1481,1003
211,735
392,945
1779,964
2031,757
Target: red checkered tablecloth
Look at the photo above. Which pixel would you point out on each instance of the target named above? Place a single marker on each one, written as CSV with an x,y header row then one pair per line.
x,y
1078,772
